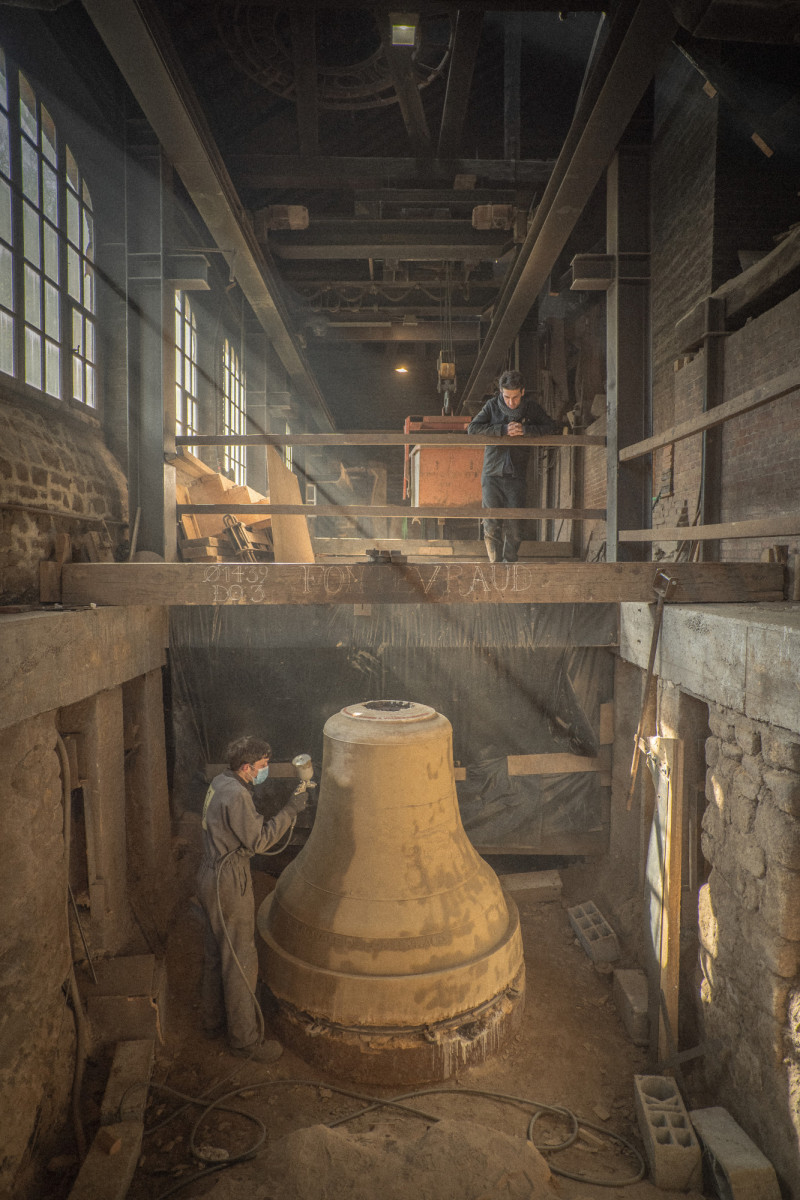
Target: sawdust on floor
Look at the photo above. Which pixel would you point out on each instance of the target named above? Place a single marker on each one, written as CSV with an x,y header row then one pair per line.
x,y
571,1051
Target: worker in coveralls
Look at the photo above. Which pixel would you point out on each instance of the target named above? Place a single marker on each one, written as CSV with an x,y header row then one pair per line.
x,y
233,831
507,415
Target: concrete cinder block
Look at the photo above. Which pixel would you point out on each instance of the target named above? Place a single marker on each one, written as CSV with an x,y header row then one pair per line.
x,y
594,932
734,1168
109,1174
671,1148
533,885
127,1003
630,997
125,1096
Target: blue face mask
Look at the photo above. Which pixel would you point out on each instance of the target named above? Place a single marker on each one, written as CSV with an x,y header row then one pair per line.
x,y
261,776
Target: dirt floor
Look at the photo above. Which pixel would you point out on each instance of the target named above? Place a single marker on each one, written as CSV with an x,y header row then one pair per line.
x,y
571,1051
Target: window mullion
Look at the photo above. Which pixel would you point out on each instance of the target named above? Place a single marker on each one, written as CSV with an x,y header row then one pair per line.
x,y
17,248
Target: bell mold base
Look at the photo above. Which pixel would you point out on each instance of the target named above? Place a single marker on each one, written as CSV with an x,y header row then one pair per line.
x,y
409,1056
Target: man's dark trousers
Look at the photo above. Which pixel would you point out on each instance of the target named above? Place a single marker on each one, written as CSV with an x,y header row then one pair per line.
x,y
503,491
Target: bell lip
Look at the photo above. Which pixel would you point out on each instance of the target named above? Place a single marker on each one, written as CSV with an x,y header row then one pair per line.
x,y
374,710
352,998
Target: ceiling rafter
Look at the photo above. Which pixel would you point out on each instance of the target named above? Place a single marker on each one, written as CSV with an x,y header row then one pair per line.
x,y
636,43
138,42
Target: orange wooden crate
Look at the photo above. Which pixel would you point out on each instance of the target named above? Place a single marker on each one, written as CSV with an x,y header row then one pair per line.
x,y
448,475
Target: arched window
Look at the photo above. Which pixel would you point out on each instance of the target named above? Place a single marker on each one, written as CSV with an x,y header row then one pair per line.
x,y
47,280
185,366
233,411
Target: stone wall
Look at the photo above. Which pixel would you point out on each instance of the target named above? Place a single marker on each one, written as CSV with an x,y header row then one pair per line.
x,y
56,476
96,674
37,1037
749,916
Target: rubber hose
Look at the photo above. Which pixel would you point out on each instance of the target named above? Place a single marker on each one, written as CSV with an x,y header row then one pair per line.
x,y
81,1032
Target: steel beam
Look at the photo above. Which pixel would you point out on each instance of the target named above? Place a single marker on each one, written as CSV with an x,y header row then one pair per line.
x,y
135,36
466,39
422,241
348,174
386,331
635,45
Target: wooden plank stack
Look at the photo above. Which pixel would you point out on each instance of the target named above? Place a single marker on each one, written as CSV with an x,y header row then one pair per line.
x,y
205,538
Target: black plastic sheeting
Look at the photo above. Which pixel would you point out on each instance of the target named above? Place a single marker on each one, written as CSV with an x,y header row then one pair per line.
x,y
511,679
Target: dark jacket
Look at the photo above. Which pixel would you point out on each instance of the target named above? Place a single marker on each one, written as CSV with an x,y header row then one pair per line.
x,y
493,420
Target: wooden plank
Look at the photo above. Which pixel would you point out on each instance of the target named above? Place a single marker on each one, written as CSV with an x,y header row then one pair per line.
x,y
606,734
190,465
553,764
592,842
746,402
49,582
460,512
784,525
354,547
188,522
413,583
380,438
665,909
290,537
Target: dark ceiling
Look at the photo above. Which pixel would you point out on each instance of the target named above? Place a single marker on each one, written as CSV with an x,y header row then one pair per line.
x,y
390,269
389,203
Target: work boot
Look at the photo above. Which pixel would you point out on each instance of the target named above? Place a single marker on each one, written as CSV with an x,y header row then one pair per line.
x,y
262,1053
492,547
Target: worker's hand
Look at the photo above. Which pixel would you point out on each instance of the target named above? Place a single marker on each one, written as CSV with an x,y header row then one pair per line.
x,y
299,798
515,429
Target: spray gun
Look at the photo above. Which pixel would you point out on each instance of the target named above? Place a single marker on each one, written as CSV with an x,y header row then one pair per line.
x,y
304,770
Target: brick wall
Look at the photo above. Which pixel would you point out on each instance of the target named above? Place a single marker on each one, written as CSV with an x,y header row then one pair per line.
x,y
761,449
682,216
749,915
56,475
714,194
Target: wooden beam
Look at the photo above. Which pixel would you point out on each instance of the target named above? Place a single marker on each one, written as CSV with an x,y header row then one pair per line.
x,y
304,57
743,292
784,525
379,437
412,583
328,172
466,38
746,402
462,512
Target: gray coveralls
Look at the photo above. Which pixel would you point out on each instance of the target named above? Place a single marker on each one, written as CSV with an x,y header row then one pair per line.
x,y
231,822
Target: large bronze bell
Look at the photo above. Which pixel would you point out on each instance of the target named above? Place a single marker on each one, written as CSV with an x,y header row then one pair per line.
x,y
390,948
